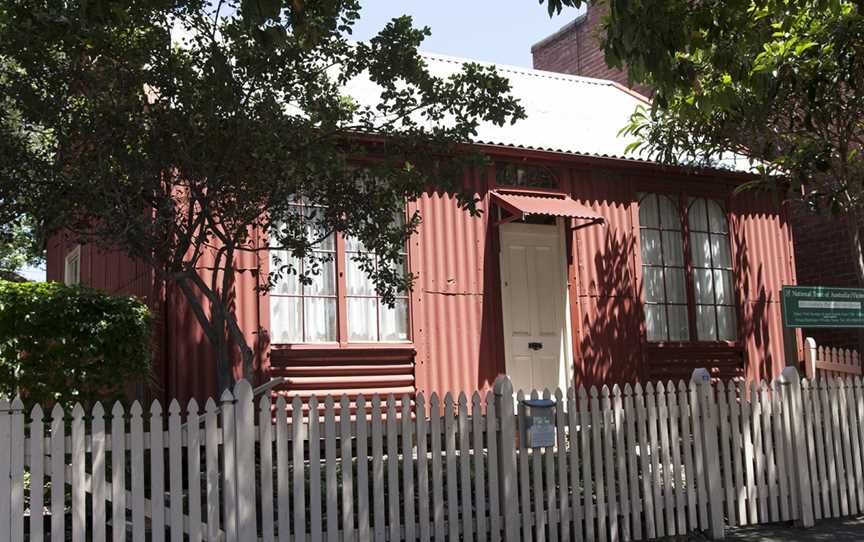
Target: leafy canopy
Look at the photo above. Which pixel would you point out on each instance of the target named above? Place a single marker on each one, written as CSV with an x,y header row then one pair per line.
x,y
20,243
781,80
181,131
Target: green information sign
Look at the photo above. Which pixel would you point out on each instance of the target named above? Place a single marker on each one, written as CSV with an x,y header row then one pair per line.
x,y
818,306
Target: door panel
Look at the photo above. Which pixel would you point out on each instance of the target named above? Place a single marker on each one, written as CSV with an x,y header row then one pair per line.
x,y
533,290
519,259
547,290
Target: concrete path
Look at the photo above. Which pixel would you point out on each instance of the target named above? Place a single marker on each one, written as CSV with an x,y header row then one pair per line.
x,y
825,531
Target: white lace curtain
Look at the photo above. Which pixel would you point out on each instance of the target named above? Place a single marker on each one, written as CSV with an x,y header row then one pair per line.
x,y
664,270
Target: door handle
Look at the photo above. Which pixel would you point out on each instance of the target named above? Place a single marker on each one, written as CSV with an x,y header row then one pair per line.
x,y
535,346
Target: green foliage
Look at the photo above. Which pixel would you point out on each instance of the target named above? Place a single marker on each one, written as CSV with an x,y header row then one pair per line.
x,y
180,132
780,80
68,344
20,244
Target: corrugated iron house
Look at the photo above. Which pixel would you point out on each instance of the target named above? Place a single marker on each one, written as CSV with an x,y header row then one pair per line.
x,y
586,266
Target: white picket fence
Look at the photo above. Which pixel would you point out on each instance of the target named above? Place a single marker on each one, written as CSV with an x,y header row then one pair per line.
x,y
629,464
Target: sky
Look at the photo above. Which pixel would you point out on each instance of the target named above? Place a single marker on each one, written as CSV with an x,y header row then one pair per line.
x,y
500,31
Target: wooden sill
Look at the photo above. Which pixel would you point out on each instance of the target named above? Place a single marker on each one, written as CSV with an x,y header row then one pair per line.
x,y
305,347
695,345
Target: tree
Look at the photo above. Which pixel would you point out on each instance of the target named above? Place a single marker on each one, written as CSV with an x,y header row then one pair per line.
x,y
20,244
781,81
19,247
186,153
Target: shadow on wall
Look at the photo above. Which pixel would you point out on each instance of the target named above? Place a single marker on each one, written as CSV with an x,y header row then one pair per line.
x,y
755,313
490,362
610,316
458,309
189,362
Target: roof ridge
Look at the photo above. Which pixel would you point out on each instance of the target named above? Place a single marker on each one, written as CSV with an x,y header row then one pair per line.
x,y
544,74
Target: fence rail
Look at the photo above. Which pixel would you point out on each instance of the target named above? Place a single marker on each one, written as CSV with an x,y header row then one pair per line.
x,y
826,361
629,463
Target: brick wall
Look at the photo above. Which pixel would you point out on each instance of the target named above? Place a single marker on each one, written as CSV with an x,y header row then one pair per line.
x,y
575,49
823,258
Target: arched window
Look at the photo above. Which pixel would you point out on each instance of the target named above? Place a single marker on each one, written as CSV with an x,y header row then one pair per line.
x,y
712,271
669,311
663,269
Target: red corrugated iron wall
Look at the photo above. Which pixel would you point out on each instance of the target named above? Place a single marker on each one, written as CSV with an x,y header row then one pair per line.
x,y
309,372
605,282
111,271
192,368
456,315
604,298
457,298
764,263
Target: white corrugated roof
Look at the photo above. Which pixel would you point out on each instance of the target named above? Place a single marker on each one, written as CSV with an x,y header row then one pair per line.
x,y
564,113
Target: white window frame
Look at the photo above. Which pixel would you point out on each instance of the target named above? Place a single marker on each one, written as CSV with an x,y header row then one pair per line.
x,y
72,267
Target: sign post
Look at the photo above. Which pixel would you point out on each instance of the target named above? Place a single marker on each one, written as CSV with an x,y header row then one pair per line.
x,y
818,306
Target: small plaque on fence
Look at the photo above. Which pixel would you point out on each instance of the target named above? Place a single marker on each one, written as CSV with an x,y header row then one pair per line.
x,y
540,429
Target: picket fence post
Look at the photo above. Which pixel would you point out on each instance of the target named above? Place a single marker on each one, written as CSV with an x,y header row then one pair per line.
x,y
707,433
790,381
5,470
810,357
244,446
229,466
503,390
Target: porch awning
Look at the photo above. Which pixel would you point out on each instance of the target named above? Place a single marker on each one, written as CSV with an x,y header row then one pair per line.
x,y
522,203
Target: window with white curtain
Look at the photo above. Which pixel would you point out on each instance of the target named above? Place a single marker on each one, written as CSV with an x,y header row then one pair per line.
x,y
305,313
663,269
670,253
712,271
340,291
369,318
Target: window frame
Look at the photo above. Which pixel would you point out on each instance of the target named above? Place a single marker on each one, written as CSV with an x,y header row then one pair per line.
x,y
72,255
343,299
343,341
664,266
682,201
687,203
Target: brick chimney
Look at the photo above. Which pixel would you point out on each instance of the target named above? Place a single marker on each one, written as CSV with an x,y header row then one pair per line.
x,y
575,49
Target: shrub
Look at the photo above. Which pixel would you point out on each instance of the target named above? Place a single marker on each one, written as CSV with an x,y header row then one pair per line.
x,y
70,344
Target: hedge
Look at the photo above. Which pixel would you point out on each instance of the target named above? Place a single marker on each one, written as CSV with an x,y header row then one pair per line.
x,y
67,344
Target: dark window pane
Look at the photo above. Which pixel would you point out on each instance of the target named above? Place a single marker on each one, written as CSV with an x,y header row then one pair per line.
x,y
521,175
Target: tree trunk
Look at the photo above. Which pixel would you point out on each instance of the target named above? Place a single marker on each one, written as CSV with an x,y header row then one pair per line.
x,y
224,369
221,324
246,352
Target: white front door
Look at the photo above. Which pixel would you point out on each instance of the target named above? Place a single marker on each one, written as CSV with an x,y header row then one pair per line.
x,y
534,303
